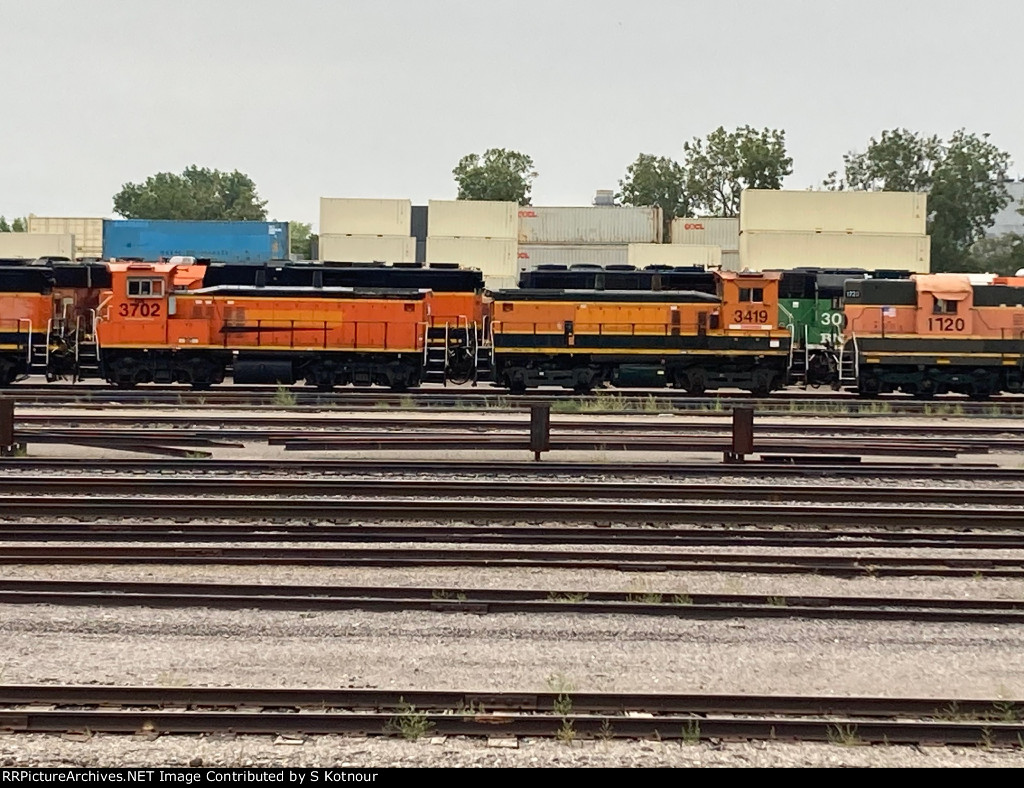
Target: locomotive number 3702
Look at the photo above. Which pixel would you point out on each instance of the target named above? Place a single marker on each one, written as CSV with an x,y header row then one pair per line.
x,y
139,309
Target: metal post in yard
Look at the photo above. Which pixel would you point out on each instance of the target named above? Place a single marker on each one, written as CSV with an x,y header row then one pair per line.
x,y
742,434
540,430
7,445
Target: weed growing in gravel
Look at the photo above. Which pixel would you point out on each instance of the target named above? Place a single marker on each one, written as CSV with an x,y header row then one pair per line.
x,y
845,735
283,398
987,740
691,732
409,724
566,733
555,596
646,599
560,683
1006,711
606,733
406,402
682,599
777,601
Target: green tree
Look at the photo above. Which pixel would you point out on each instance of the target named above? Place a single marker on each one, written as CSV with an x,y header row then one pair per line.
x,y
1003,254
964,178
19,225
196,194
656,180
499,174
4,226
301,239
725,163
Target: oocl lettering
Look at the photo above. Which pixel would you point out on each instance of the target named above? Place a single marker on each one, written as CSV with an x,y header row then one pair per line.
x,y
693,226
527,214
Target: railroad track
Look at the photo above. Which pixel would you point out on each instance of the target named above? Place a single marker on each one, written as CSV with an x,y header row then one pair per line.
x,y
447,510
207,533
98,395
319,468
501,601
519,558
845,720
583,491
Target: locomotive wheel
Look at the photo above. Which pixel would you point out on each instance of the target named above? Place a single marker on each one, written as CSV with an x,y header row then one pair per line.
x,y
695,381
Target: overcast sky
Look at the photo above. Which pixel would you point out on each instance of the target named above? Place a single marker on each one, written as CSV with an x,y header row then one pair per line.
x,y
380,98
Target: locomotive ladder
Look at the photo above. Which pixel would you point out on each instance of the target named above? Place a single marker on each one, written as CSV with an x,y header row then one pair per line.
x,y
435,355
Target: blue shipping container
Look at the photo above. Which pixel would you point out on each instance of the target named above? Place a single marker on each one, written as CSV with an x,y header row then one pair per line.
x,y
228,242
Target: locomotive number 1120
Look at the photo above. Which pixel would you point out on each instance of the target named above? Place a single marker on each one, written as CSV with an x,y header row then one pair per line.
x,y
139,309
946,324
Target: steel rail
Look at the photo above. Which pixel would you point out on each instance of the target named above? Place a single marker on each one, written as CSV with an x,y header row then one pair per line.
x,y
205,533
501,601
357,466
378,509
350,699
589,491
833,566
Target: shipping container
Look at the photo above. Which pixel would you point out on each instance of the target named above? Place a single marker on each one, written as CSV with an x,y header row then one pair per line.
x,y
367,248
492,256
345,216
88,231
32,245
472,219
713,231
532,255
494,283
766,251
229,242
598,225
642,255
877,213
731,260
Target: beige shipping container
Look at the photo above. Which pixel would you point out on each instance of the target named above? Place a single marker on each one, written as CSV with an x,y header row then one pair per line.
x,y
764,251
711,231
501,282
533,255
643,255
877,213
345,216
596,225
32,245
88,231
472,219
492,257
731,260
367,248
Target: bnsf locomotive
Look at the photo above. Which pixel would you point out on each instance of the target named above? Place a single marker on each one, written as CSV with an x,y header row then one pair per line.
x,y
403,325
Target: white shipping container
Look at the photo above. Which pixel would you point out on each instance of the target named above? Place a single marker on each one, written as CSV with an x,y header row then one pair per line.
x,y
501,282
472,219
532,255
731,260
833,212
764,251
32,245
708,231
88,231
494,257
367,248
643,255
596,225
345,216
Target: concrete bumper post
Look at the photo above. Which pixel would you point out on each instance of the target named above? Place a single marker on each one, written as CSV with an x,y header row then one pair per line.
x,y
742,435
540,430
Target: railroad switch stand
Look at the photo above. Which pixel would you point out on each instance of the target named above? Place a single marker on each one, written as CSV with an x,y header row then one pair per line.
x,y
540,430
8,446
742,435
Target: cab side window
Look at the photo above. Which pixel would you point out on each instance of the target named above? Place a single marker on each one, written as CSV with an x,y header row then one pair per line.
x,y
751,295
943,307
145,288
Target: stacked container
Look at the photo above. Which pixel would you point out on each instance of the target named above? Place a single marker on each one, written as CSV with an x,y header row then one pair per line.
x,y
476,234
643,255
702,232
601,234
30,246
88,231
357,230
822,229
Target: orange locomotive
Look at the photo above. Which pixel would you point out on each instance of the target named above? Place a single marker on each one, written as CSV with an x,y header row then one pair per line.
x,y
157,323
936,333
691,340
